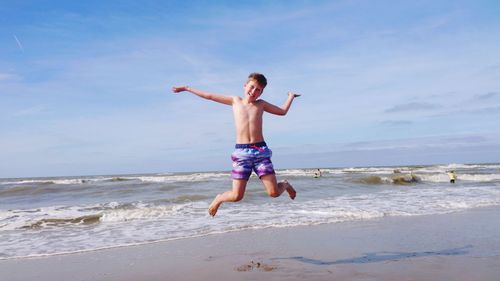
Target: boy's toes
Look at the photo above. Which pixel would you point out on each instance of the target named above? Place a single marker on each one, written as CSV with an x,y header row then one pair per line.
x,y
212,210
291,191
214,206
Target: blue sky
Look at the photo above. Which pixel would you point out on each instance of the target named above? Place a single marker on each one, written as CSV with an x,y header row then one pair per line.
x,y
85,85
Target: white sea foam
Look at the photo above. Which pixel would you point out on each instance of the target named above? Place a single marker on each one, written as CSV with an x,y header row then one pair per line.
x,y
142,223
183,177
455,166
296,172
479,177
63,181
140,212
443,177
150,212
41,217
434,177
194,177
109,212
370,170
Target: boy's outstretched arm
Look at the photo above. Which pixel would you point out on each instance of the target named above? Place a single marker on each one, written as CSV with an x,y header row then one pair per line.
x,y
206,95
283,110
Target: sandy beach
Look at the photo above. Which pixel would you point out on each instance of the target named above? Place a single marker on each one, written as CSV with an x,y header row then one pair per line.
x,y
457,246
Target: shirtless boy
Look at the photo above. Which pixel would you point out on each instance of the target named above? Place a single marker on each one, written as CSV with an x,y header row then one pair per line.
x,y
251,152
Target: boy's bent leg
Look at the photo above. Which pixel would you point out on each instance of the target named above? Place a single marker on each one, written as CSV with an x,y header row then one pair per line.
x,y
275,189
234,195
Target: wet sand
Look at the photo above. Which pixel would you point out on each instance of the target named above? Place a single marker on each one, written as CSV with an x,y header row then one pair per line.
x,y
458,246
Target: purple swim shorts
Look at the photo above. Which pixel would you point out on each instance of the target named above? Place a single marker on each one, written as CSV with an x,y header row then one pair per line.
x,y
251,157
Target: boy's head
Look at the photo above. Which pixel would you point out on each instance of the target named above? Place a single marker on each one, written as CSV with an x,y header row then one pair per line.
x,y
259,78
255,86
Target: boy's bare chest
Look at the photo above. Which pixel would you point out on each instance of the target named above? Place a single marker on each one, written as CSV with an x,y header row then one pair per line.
x,y
247,112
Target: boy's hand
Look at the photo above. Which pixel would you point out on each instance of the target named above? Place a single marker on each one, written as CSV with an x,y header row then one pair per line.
x,y
179,89
291,94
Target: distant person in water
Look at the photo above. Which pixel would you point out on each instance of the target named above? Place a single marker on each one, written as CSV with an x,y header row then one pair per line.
x,y
251,152
317,173
452,175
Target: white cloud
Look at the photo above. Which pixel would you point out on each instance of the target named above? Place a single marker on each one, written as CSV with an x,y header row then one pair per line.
x,y
8,77
30,111
412,106
487,96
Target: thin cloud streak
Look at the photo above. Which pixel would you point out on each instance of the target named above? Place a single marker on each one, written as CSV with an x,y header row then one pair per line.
x,y
487,96
412,106
18,43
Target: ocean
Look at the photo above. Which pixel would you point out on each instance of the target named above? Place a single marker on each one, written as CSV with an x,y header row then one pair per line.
x,y
60,215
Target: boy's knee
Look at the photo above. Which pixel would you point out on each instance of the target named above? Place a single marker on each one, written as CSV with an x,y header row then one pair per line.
x,y
237,197
274,193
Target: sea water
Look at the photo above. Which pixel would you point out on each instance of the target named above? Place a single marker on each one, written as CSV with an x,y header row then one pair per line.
x,y
51,216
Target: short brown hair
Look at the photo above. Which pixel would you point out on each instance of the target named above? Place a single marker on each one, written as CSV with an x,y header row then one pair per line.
x,y
260,78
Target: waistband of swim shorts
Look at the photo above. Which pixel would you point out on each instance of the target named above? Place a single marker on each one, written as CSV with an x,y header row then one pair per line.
x,y
251,145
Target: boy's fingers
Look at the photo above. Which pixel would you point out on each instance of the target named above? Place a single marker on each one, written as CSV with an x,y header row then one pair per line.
x,y
179,89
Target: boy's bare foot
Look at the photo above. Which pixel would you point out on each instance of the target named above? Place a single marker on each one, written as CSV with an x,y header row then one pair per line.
x,y
289,188
214,206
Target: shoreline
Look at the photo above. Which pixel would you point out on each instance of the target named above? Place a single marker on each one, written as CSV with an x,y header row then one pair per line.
x,y
455,246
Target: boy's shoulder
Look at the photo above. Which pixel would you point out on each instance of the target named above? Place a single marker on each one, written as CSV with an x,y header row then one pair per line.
x,y
261,101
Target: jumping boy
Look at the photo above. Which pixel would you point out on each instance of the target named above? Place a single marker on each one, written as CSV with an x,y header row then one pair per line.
x,y
251,152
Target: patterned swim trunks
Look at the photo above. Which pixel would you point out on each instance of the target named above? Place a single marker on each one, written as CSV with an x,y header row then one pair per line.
x,y
248,157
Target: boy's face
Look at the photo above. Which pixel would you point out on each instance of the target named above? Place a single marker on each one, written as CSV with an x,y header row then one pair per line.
x,y
253,90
